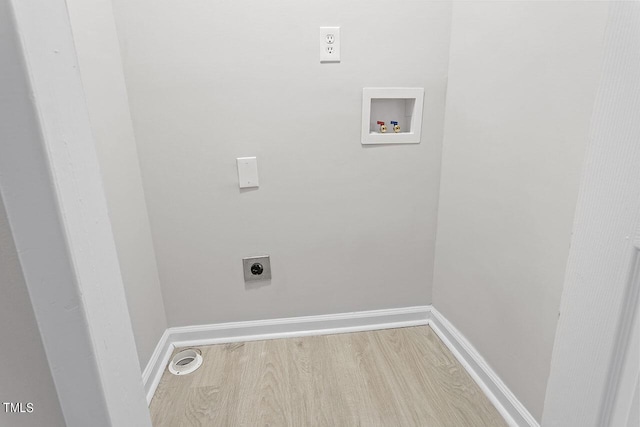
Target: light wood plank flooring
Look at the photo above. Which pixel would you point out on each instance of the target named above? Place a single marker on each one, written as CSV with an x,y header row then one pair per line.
x,y
393,377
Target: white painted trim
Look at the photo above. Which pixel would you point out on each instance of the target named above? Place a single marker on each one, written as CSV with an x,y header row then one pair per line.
x,y
624,369
191,336
511,409
55,202
299,326
157,364
255,330
589,352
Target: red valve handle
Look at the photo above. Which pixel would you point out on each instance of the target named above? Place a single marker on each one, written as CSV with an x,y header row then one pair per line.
x,y
380,123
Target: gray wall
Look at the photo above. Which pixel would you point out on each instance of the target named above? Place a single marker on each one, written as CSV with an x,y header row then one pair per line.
x,y
522,81
98,53
25,376
347,227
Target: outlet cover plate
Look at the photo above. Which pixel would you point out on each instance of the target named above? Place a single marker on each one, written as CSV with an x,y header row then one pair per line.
x,y
329,44
248,262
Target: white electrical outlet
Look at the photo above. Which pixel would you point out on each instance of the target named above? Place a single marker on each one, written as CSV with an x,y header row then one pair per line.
x,y
329,44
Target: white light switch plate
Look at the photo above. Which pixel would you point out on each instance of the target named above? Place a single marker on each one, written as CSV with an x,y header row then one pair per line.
x,y
247,172
329,44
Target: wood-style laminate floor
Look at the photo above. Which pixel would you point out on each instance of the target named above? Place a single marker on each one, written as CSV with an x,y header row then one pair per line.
x,y
393,377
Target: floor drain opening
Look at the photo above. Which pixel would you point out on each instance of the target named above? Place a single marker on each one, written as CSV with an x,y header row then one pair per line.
x,y
185,362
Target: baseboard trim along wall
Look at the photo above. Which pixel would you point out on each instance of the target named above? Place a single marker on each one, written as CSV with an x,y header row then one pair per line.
x,y
504,400
157,365
191,336
511,409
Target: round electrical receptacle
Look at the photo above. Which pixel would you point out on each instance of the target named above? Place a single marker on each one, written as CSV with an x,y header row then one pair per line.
x,y
257,269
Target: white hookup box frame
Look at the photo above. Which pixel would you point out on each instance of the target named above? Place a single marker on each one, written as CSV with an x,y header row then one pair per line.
x,y
401,104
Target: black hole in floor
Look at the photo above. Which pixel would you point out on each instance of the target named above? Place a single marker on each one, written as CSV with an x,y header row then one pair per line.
x,y
185,361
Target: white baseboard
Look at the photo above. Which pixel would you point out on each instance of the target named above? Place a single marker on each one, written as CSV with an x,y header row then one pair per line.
x,y
511,409
156,365
504,400
192,336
